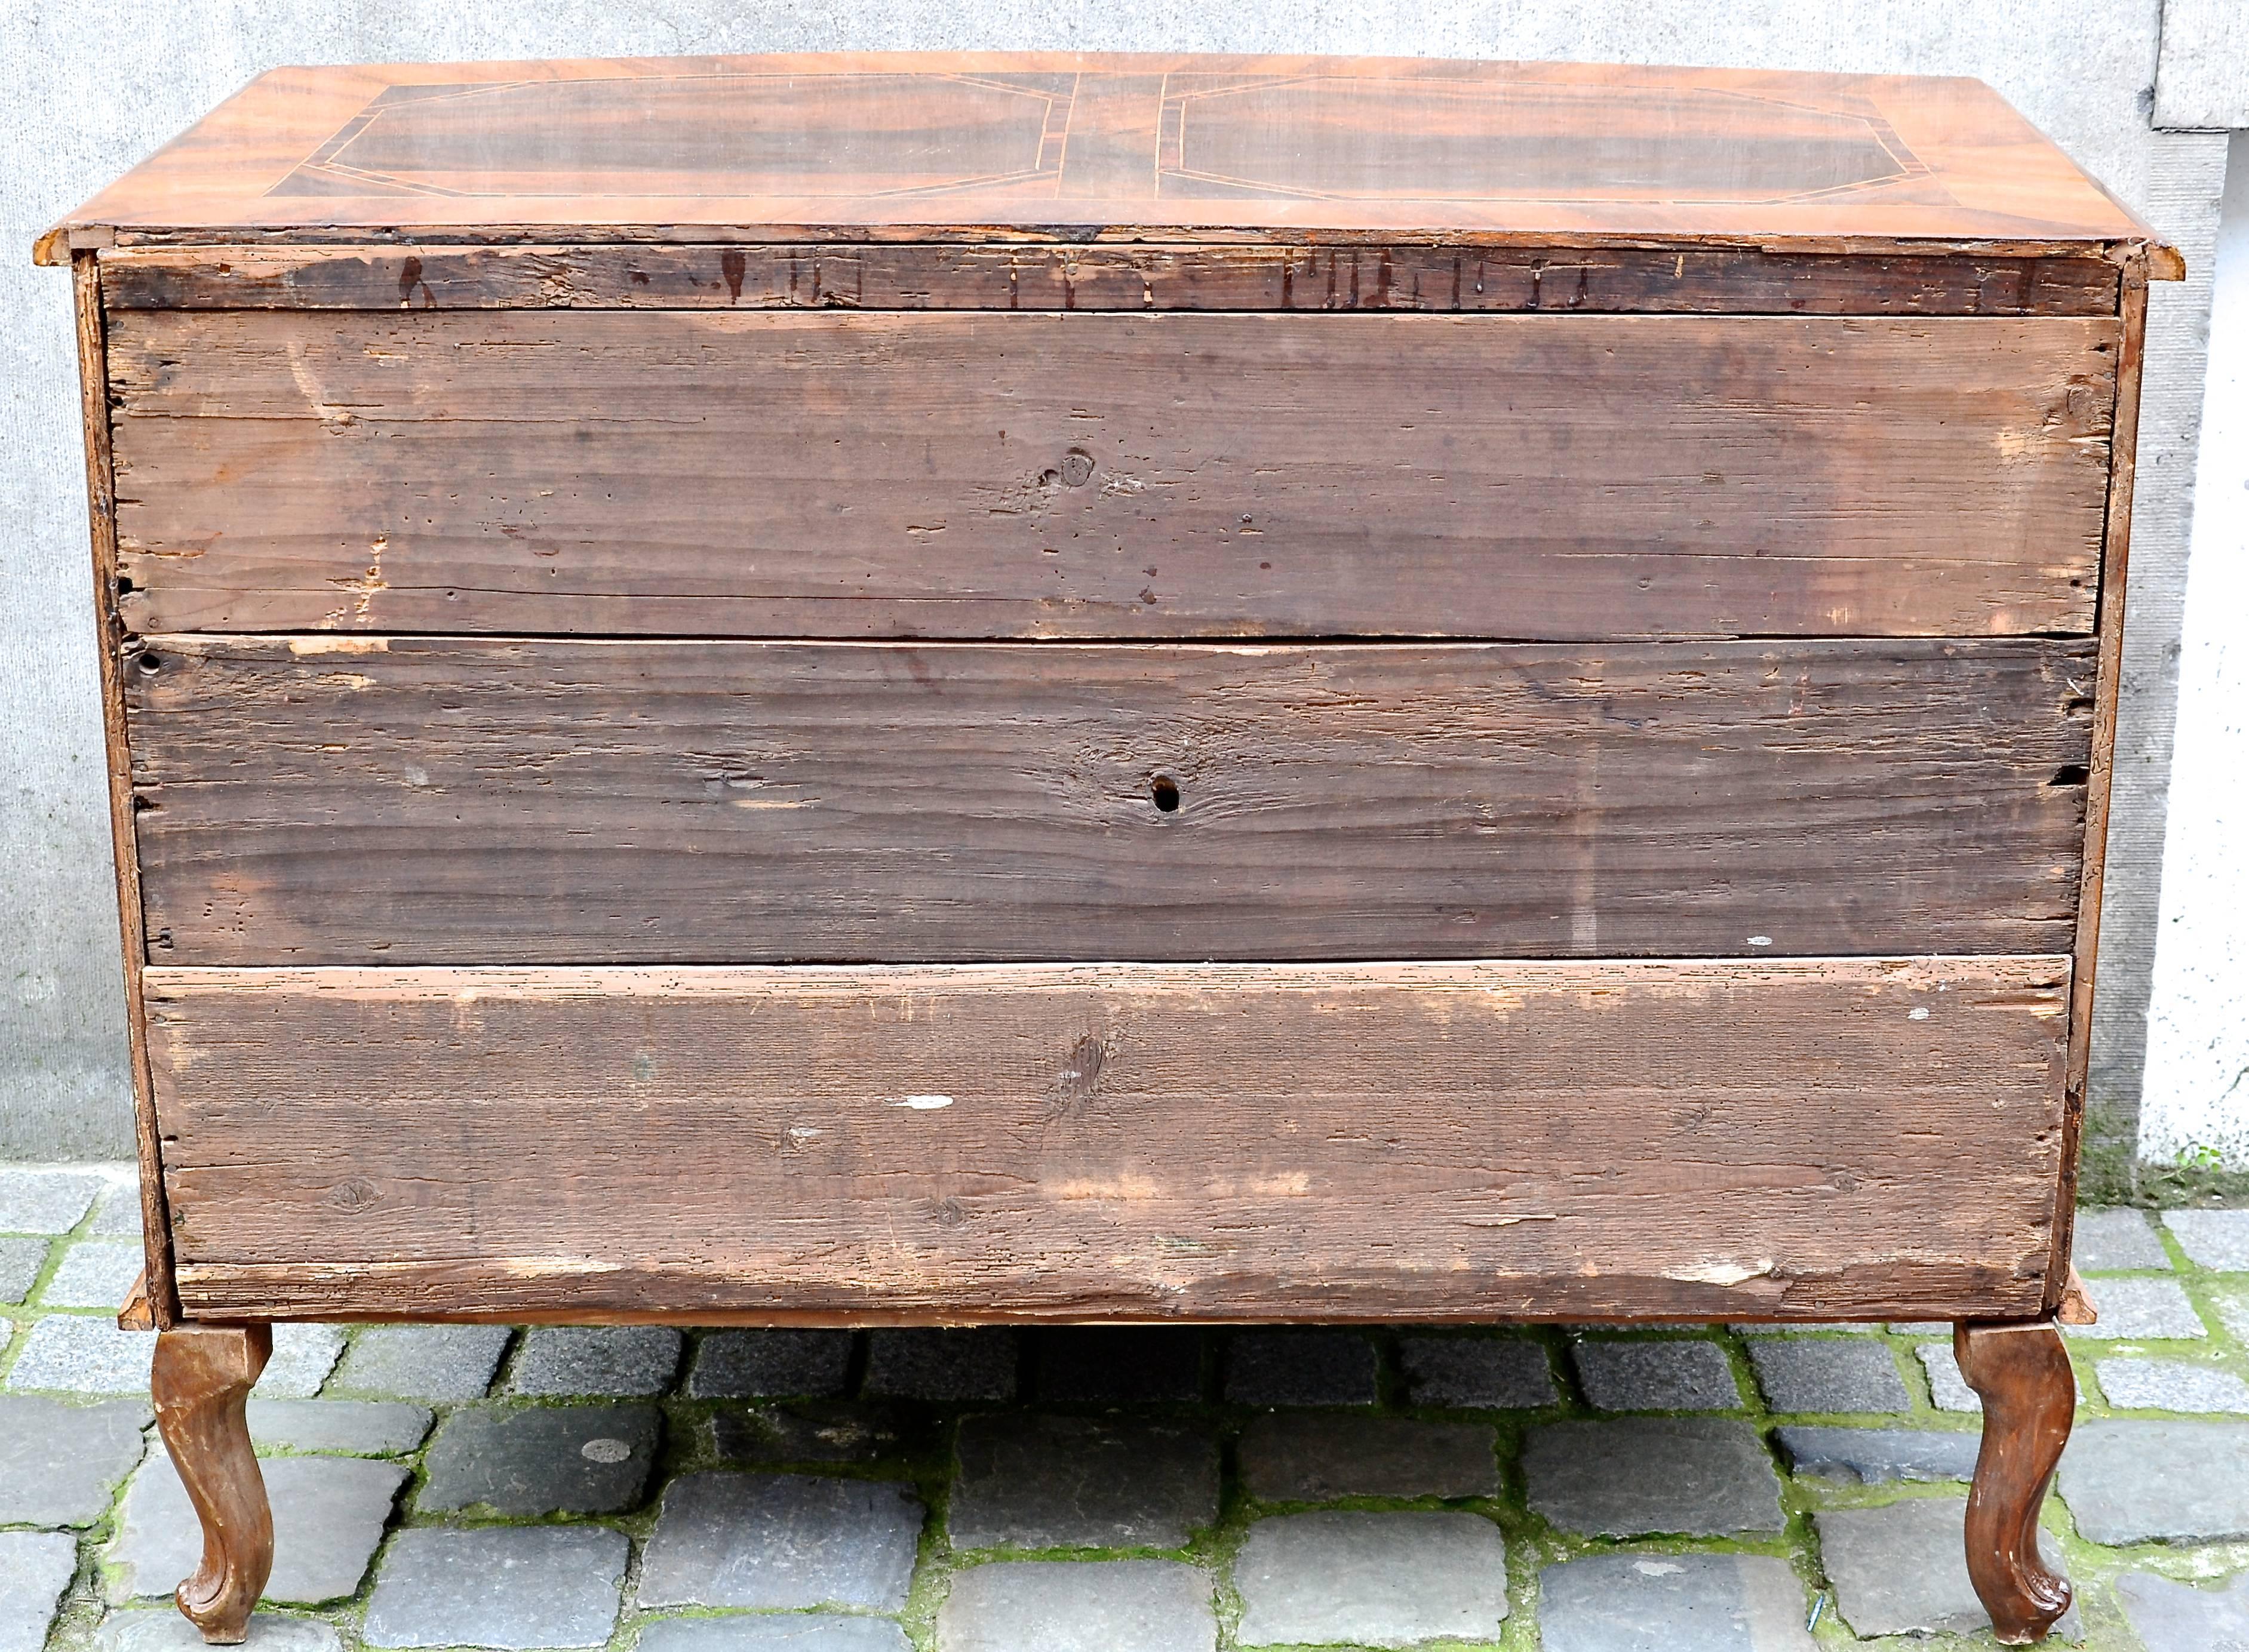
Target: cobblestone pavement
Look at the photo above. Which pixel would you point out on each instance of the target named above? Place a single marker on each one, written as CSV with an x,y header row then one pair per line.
x,y
1118,1490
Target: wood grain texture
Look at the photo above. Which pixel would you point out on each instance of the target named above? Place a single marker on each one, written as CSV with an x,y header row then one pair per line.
x,y
960,475
2022,1372
1068,146
2108,678
101,518
456,800
1716,1139
874,276
201,1378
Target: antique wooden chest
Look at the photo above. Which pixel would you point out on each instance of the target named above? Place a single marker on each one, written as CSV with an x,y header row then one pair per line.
x,y
848,689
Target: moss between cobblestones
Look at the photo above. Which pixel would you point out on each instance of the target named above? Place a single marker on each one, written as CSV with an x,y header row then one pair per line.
x,y
1533,1544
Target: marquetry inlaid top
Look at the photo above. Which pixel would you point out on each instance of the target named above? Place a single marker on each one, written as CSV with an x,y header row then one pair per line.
x,y
1050,147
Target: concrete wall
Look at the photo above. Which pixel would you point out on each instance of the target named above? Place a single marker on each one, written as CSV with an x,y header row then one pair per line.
x,y
87,89
2198,1072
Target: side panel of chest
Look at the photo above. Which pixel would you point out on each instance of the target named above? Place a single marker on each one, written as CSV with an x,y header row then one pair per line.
x,y
962,475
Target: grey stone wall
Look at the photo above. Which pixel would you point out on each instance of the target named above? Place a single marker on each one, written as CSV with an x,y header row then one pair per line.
x,y
87,89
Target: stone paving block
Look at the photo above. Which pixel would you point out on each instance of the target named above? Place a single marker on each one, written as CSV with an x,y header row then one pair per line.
x,y
437,1362
2234,1313
2170,1385
512,1587
20,1262
1316,1456
941,1366
303,1356
821,1434
1116,1365
1499,1374
35,1568
60,1463
2137,1482
1337,1576
360,1428
1902,1569
794,1633
1947,1389
93,1276
47,1201
118,1214
781,1541
1790,1328
2131,1309
1064,1606
2215,1239
162,1629
756,1365
540,1459
2173,1617
1920,1327
1081,1483
1673,1603
2118,1241
1300,1367
328,1515
84,1356
608,1361
1675,1373
1828,1373
1635,1476
1874,1456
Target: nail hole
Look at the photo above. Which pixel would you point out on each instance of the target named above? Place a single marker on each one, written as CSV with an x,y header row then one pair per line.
x,y
2070,774
1165,791
150,664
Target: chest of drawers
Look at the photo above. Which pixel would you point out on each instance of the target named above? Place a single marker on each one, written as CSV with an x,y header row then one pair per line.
x,y
838,690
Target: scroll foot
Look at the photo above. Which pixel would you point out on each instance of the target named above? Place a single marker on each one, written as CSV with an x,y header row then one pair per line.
x,y
201,1381
2029,1399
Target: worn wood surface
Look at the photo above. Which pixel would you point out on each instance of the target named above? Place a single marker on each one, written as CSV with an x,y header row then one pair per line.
x,y
913,276
458,800
1136,475
101,518
2107,679
1065,147
2030,1394
201,1378
1723,1139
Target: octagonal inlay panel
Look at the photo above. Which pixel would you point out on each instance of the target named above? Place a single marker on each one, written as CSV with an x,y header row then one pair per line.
x,y
1515,141
702,135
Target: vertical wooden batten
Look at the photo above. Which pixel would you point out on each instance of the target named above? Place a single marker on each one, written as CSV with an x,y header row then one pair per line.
x,y
2115,554
162,1301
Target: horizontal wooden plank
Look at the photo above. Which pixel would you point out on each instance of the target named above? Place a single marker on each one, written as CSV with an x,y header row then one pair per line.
x,y
957,475
467,801
873,275
1721,1140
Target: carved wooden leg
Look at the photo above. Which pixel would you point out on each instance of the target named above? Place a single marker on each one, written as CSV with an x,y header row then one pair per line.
x,y
2029,1400
201,1381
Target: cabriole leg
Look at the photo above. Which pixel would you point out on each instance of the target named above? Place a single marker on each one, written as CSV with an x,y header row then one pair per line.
x,y
201,1381
2029,1400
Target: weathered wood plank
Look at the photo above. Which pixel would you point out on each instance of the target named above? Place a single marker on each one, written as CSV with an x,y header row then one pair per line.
x,y
460,800
963,475
1718,1139
874,276
163,1306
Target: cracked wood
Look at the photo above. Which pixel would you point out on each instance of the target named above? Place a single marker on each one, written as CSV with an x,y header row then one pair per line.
x,y
451,800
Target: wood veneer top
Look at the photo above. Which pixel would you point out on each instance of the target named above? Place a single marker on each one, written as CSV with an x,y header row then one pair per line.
x,y
1047,146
